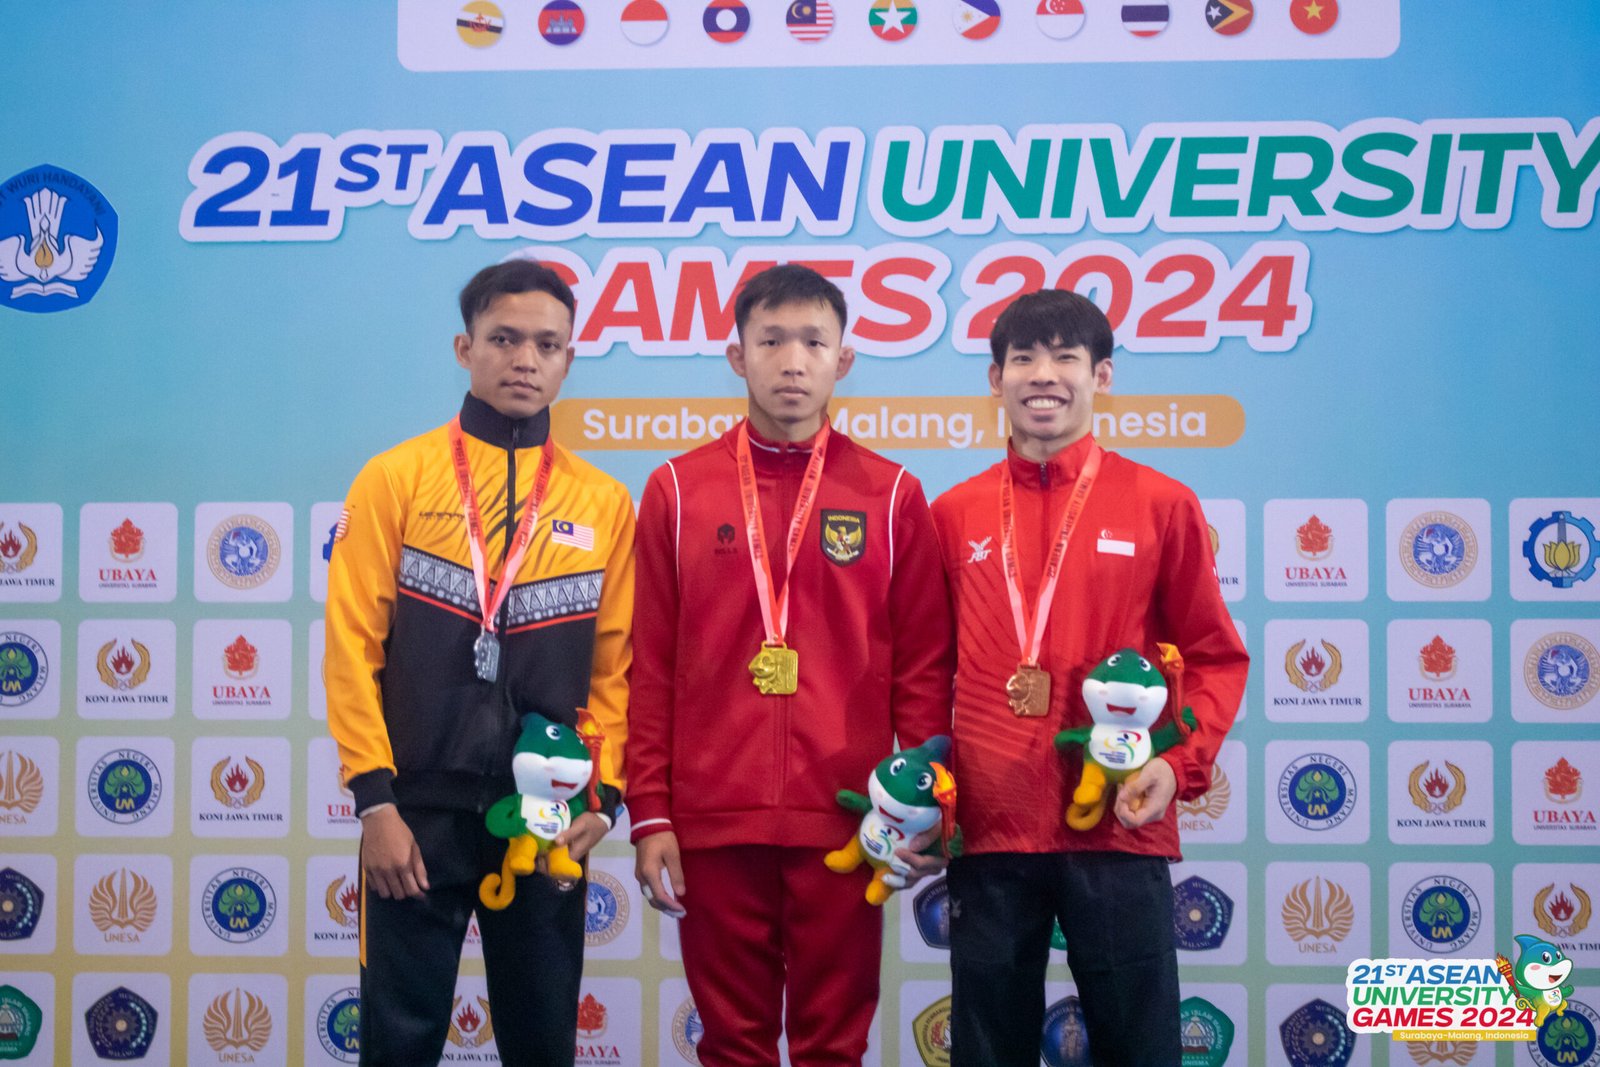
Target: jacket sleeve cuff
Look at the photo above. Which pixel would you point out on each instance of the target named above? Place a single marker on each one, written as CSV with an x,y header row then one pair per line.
x,y
1193,780
610,801
648,815
373,787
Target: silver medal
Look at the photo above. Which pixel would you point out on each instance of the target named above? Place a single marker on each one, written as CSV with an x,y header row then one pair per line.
x,y
486,656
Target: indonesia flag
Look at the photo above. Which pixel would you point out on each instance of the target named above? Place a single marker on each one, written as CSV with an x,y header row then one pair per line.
x,y
977,19
1060,19
644,21
1145,20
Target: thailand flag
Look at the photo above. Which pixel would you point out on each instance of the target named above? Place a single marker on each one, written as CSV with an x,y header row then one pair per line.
x,y
1145,20
977,19
563,532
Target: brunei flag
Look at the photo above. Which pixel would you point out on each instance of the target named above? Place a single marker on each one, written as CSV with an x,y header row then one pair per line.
x,y
892,20
977,19
1229,17
809,20
644,21
480,23
1060,19
1145,20
726,21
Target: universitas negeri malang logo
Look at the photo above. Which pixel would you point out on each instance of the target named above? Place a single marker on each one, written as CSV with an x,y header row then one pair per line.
x,y
58,235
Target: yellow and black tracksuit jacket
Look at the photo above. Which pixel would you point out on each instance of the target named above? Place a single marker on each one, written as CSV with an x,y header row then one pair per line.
x,y
414,723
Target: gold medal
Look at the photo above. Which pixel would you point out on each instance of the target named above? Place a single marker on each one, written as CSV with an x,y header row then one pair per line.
x,y
1029,691
776,670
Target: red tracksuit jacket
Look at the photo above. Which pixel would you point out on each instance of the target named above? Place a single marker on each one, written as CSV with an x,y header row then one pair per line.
x,y
709,756
1139,570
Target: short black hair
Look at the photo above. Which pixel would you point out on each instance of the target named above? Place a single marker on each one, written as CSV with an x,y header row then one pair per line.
x,y
787,283
1051,317
512,276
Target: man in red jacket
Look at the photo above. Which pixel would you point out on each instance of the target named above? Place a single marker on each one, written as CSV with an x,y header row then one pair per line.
x,y
792,622
1132,554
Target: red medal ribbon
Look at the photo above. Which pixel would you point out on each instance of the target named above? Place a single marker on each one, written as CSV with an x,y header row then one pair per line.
x,y
1030,626
775,606
476,540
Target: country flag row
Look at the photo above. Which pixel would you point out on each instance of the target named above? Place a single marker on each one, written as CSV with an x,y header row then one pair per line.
x,y
481,23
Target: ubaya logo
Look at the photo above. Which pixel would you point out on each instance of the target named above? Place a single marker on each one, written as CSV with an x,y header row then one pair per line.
x,y
121,1025
235,787
243,552
1437,793
58,236
339,1024
123,905
470,1027
21,785
237,1021
24,669
1438,549
606,912
17,554
1313,539
1441,913
1564,914
1317,791
1563,783
120,669
124,786
239,905
1436,660
1201,914
126,542
240,659
1561,549
1311,670
1560,671
20,904
592,1016
1318,914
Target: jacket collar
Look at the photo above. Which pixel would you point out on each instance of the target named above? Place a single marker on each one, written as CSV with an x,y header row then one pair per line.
x,y
1061,469
488,425
761,449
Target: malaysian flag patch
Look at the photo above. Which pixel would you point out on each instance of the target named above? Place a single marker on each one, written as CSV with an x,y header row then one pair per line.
x,y
563,532
341,527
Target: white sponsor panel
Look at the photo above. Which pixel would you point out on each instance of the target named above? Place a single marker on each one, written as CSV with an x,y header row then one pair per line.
x,y
614,912
1555,670
1554,549
1441,670
1220,815
40,988
332,1020
1225,520
124,786
1441,792
28,904
243,552
1437,549
115,1012
1307,1024
1318,914
239,905
317,651
1555,793
239,787
610,1027
1317,670
127,668
1556,902
238,1018
1210,915
30,786
122,904
128,553
1442,909
1315,550
242,669
1317,792
330,807
332,899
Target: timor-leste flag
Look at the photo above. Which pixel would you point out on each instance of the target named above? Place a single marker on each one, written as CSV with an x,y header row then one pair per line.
x,y
1229,17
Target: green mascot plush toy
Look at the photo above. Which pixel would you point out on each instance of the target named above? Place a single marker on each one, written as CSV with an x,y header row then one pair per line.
x,y
1538,977
552,764
1125,694
909,792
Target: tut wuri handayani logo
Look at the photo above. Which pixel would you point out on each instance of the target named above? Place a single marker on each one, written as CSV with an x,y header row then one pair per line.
x,y
124,786
339,1024
58,235
239,905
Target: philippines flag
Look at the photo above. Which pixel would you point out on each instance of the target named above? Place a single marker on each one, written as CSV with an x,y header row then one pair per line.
x,y
809,20
644,21
1145,20
977,19
563,532
726,21
1060,19
1229,17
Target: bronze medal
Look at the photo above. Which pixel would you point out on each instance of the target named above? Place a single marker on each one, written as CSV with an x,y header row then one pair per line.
x,y
776,670
1028,690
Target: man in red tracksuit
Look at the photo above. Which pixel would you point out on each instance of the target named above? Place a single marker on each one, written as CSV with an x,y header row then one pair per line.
x,y
1137,569
792,622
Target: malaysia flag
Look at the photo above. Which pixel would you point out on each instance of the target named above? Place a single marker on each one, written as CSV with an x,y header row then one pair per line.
x,y
977,19
644,21
1060,19
809,20
726,21
1145,20
563,532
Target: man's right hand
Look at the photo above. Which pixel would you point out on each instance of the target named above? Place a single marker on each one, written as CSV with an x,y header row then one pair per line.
x,y
659,870
390,857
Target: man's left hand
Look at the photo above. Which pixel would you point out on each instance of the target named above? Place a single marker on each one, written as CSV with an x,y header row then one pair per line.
x,y
584,833
920,865
1143,797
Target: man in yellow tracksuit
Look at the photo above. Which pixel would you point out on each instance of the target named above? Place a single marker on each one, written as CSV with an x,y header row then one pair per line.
x,y
480,572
